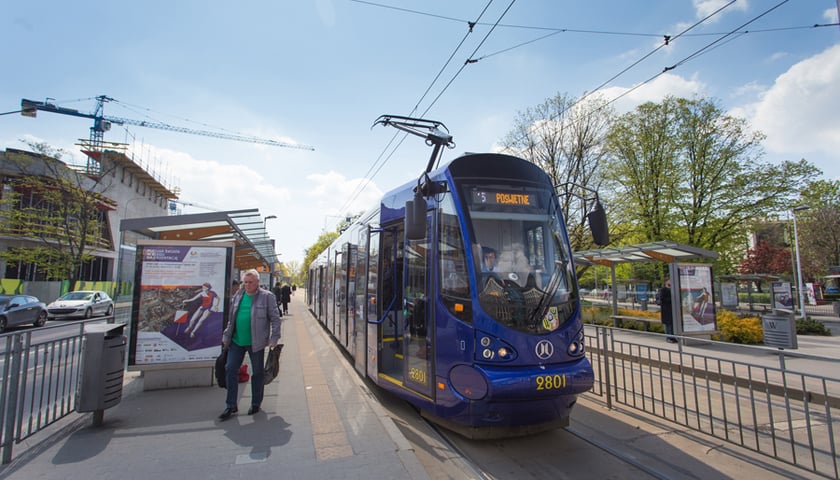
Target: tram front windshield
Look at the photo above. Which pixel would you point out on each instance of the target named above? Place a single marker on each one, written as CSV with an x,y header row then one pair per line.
x,y
523,267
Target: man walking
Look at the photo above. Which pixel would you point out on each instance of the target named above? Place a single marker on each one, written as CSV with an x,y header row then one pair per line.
x,y
254,323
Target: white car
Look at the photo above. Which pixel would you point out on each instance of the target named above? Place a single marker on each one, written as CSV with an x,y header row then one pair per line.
x,y
82,303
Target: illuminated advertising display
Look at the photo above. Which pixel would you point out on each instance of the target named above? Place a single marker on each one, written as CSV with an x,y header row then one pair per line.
x,y
697,300
179,302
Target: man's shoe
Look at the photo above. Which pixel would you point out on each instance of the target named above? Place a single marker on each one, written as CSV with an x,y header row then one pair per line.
x,y
254,409
228,413
671,340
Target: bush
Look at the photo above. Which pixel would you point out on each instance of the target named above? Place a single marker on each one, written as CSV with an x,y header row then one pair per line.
x,y
809,326
736,329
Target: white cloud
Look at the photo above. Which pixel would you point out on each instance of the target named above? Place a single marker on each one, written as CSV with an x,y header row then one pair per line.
x,y
799,112
655,91
704,8
830,15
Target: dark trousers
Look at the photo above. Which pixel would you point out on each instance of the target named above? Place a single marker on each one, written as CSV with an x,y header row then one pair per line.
x,y
236,355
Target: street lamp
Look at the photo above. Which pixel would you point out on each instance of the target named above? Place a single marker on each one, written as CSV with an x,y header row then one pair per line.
x,y
266,219
799,286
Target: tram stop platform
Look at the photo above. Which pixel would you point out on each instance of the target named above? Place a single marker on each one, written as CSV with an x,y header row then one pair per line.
x,y
316,422
321,420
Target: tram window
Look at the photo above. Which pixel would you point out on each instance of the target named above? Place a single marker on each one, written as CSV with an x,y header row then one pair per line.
x,y
454,279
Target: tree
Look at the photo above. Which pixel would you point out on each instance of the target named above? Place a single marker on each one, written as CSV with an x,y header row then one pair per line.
x,y
59,208
819,227
686,171
565,137
766,258
324,241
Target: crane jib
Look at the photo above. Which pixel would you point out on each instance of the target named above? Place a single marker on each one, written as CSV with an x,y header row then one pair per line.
x,y
102,123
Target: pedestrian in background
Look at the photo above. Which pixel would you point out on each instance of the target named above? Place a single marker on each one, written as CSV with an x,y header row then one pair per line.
x,y
285,297
666,311
254,323
278,293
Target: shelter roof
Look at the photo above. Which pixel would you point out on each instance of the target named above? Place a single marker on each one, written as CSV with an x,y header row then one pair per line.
x,y
751,277
245,228
662,251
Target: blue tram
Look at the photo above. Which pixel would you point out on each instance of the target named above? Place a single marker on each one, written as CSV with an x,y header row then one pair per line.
x,y
487,349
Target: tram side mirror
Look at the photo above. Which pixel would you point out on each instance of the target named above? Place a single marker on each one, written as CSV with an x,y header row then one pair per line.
x,y
415,218
597,219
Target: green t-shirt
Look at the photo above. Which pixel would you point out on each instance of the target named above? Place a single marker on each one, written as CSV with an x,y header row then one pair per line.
x,y
242,332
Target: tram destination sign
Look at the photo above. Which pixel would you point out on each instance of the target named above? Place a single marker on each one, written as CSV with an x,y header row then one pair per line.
x,y
507,198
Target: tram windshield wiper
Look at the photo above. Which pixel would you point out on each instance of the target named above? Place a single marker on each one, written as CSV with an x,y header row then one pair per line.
x,y
551,289
545,301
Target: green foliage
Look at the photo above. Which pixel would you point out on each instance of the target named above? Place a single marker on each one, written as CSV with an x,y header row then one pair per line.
x,y
683,170
809,326
736,329
324,241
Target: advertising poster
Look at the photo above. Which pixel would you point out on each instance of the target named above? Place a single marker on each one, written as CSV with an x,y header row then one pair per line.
x,y
729,292
782,297
697,298
642,292
810,294
179,301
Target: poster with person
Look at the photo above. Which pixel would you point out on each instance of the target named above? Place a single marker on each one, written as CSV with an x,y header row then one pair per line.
x,y
697,298
782,295
179,301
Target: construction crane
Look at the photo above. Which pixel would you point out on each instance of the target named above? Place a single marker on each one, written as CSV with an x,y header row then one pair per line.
x,y
102,123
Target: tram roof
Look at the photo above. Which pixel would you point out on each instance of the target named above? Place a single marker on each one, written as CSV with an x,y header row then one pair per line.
x,y
246,228
662,251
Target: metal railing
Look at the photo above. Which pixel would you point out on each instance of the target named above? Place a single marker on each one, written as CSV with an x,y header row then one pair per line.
x,y
783,414
38,384
40,374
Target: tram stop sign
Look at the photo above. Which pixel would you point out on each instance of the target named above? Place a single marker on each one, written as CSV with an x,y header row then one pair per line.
x,y
780,329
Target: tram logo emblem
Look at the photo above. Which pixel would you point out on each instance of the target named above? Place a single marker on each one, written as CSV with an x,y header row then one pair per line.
x,y
544,349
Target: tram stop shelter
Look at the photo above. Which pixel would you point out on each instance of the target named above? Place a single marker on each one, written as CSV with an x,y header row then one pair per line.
x,y
239,233
749,278
664,251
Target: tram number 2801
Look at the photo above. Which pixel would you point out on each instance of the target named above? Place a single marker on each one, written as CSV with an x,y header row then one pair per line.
x,y
417,375
550,382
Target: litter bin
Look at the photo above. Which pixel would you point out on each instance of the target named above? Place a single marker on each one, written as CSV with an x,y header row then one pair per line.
x,y
102,369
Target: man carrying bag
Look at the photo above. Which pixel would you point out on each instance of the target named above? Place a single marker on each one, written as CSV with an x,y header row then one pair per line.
x,y
254,323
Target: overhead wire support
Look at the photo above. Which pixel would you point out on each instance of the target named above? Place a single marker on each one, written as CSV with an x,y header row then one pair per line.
x,y
434,132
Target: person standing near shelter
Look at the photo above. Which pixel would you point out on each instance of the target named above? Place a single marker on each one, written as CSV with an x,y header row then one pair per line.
x,y
278,293
254,323
666,311
285,297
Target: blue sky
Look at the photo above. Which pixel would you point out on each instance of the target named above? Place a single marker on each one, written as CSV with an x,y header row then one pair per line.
x,y
320,72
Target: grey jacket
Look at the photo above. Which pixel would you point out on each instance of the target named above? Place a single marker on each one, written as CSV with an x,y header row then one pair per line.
x,y
265,319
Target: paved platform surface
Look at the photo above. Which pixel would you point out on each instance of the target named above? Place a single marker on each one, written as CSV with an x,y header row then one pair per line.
x,y
318,421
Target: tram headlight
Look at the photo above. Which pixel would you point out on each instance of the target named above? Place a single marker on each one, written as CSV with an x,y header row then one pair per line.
x,y
576,346
492,348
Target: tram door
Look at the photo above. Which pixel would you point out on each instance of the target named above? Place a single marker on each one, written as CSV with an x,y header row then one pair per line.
x,y
390,304
417,310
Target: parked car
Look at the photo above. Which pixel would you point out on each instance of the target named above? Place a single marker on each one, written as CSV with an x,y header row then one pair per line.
x,y
21,310
82,303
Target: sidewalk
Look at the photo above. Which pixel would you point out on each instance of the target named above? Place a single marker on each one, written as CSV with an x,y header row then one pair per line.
x,y
316,423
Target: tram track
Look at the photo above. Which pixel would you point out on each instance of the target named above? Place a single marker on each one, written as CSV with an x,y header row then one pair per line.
x,y
599,443
522,461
